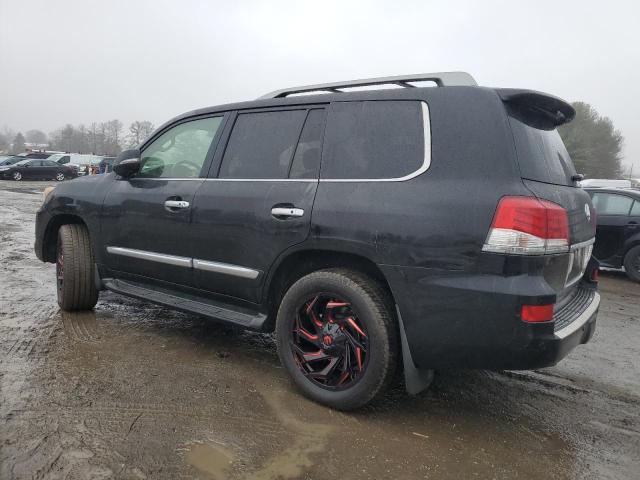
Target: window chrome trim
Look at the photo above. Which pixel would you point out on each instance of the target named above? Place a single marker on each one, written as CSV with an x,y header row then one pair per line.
x,y
219,267
152,256
426,163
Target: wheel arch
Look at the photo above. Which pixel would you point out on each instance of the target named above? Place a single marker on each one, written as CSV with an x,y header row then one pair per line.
x,y
50,239
298,263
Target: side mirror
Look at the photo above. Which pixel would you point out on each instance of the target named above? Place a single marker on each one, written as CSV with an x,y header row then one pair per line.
x,y
127,168
127,163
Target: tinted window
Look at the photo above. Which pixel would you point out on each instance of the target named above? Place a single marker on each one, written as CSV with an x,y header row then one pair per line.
x,y
181,151
542,155
635,210
306,161
262,144
383,139
65,159
50,163
611,204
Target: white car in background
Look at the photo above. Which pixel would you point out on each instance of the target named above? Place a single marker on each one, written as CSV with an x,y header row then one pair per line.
x,y
82,162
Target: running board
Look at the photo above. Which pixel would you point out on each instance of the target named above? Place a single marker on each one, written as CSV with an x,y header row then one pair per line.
x,y
208,308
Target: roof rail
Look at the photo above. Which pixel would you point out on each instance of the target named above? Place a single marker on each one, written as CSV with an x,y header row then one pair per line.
x,y
442,79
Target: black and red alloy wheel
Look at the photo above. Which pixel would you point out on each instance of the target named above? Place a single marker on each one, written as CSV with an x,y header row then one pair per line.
x,y
328,342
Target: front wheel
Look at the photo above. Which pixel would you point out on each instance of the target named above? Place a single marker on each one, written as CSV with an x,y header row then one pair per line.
x,y
75,269
17,176
632,263
60,176
337,337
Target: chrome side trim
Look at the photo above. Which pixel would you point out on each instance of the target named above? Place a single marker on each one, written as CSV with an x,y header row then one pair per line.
x,y
151,256
581,320
226,268
426,162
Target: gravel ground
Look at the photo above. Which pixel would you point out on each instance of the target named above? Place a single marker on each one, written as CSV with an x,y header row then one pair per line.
x,y
132,390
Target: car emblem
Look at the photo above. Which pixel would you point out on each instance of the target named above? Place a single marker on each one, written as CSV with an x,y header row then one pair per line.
x,y
587,211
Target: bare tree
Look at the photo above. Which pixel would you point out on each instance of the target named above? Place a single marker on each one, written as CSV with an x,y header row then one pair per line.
x,y
36,136
18,143
139,131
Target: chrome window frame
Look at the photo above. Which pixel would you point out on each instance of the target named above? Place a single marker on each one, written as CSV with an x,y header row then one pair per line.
x,y
426,163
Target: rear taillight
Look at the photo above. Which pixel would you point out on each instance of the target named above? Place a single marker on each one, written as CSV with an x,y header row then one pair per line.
x,y
528,226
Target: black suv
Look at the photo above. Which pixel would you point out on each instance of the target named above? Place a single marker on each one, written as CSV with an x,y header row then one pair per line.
x,y
618,229
418,228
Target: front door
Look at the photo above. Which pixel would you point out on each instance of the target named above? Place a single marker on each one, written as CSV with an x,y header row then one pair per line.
x,y
145,219
258,201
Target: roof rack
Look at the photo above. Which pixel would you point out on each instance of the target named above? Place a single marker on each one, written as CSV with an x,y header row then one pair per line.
x,y
441,79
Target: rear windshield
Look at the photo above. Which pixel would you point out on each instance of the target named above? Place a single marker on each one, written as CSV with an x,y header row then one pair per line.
x,y
541,154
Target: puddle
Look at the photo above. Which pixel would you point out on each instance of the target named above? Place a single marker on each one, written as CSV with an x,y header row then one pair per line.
x,y
212,460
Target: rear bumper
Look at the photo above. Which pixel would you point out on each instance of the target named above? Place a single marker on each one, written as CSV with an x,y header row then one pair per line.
x,y
457,320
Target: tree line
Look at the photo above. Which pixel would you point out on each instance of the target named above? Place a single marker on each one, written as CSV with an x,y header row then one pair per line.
x,y
100,138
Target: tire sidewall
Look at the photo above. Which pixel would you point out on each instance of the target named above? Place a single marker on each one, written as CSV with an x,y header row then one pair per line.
x,y
368,315
632,273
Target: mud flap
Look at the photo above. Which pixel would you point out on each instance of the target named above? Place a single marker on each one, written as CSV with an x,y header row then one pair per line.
x,y
415,380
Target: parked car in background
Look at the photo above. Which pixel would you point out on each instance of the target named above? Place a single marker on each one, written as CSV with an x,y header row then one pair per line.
x,y
11,160
414,228
618,229
106,164
37,169
605,183
82,162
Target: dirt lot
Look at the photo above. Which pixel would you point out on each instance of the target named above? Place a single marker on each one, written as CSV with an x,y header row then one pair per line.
x,y
132,390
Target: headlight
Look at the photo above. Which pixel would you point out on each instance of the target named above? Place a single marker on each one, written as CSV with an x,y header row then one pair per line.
x,y
46,193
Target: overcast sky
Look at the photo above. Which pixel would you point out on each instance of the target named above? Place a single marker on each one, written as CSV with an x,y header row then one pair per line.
x,y
77,61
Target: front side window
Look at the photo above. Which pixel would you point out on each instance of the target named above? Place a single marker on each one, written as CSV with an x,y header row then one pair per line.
x,y
373,140
612,204
181,151
262,144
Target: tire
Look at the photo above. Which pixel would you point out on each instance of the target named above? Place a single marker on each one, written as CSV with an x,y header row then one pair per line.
x,y
59,176
349,295
17,176
75,269
632,263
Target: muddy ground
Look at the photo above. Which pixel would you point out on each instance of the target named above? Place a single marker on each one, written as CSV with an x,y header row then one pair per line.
x,y
133,390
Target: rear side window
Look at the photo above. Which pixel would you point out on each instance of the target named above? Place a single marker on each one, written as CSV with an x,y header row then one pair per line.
x,y
374,139
542,155
612,204
262,144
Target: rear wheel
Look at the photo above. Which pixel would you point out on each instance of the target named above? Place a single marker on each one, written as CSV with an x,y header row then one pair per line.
x,y
75,269
632,263
59,176
337,337
17,176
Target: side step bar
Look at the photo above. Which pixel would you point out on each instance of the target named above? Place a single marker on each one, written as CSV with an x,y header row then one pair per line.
x,y
208,308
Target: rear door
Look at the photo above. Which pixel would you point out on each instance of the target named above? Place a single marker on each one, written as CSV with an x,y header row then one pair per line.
x,y
257,202
614,225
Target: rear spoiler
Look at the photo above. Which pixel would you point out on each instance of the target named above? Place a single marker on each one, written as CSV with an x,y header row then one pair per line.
x,y
538,109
